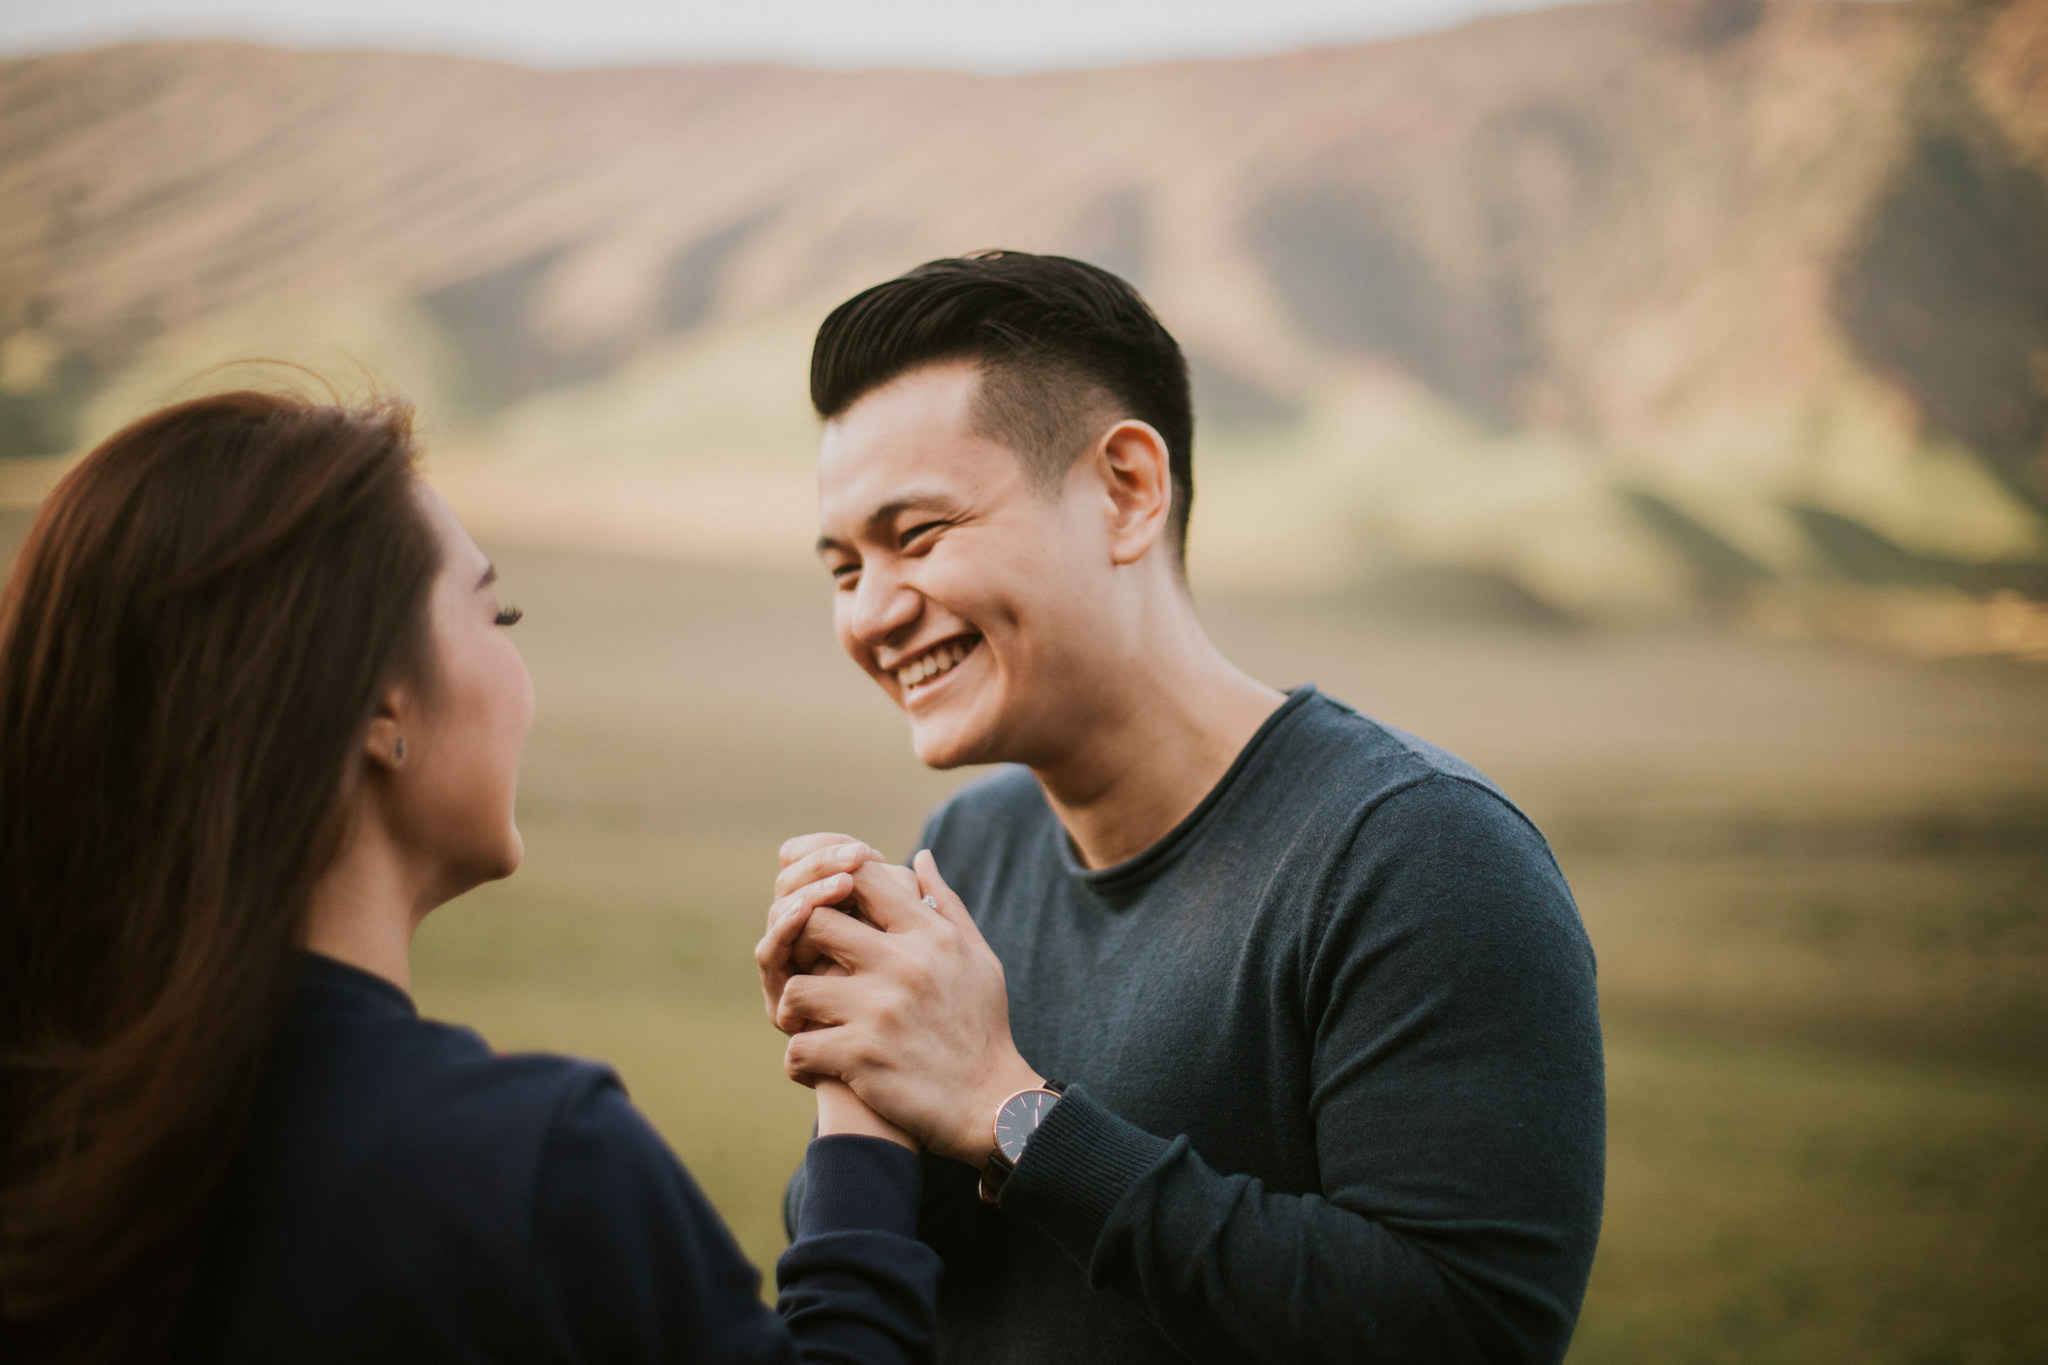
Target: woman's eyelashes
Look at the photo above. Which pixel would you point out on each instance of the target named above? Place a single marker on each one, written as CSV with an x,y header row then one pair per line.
x,y
509,616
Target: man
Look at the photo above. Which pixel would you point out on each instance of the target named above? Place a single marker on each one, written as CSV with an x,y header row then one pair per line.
x,y
1270,1031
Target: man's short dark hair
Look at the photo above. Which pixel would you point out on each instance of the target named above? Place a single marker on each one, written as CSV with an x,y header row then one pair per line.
x,y
1062,345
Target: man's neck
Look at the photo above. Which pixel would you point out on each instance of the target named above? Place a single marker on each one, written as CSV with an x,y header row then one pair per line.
x,y
1175,717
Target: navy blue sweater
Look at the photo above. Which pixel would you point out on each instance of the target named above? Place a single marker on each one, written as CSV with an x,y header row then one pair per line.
x,y
1335,1057
409,1195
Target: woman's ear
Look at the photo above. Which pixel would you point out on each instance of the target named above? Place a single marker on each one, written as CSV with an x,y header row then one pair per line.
x,y
1139,481
386,744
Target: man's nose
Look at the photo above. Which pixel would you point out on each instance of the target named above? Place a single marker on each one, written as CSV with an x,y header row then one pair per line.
x,y
883,604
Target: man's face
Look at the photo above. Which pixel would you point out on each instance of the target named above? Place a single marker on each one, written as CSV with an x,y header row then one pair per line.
x,y
965,591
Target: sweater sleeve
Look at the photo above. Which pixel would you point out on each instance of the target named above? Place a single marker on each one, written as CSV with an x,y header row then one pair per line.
x,y
640,1267
856,1283
1448,998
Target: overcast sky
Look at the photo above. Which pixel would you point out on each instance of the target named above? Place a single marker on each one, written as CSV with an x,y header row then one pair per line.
x,y
1017,36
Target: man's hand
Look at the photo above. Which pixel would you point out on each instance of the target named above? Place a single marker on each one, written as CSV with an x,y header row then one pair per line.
x,y
816,870
921,1028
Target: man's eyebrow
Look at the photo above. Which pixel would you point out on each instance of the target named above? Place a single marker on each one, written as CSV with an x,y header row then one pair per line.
x,y
490,577
910,502
889,511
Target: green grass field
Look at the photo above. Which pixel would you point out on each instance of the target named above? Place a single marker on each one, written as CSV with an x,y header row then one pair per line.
x,y
1817,880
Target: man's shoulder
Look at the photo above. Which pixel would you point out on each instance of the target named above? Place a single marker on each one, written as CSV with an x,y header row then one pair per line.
x,y
1338,797
1337,732
1342,764
1397,839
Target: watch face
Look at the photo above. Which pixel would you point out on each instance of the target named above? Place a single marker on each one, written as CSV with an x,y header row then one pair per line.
x,y
1018,1119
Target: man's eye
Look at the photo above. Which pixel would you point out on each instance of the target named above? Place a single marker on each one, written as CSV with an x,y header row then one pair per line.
x,y
914,532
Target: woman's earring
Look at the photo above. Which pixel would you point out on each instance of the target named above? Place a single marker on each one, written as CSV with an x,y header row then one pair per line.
x,y
400,751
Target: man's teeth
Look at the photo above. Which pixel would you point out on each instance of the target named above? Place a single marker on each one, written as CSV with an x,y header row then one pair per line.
x,y
932,664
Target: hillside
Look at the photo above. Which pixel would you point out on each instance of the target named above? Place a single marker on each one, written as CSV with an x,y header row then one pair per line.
x,y
1631,311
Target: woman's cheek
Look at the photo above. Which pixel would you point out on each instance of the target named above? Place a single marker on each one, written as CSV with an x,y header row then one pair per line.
x,y
517,711
526,700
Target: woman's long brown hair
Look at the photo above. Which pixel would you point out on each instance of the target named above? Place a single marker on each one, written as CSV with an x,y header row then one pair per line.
x,y
199,629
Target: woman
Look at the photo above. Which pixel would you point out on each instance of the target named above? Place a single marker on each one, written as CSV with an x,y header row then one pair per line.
x,y
258,716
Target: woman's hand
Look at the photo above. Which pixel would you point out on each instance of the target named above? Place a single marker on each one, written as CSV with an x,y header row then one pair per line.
x,y
816,870
842,1111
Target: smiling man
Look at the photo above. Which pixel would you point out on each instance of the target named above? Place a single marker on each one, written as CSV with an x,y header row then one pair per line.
x,y
1257,1030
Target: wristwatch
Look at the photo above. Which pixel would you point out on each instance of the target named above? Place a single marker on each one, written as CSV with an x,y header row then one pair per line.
x,y
1017,1118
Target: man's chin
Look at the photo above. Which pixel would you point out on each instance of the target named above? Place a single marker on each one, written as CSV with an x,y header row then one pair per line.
x,y
947,746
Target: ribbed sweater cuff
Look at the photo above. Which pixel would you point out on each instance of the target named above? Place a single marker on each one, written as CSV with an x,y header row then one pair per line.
x,y
1076,1169
859,1184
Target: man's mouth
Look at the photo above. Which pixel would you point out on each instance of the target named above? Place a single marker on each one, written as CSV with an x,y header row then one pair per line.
x,y
937,661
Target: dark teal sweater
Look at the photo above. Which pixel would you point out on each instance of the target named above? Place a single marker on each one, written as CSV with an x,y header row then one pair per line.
x,y
1336,1067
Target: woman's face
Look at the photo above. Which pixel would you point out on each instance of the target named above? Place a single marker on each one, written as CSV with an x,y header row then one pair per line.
x,y
453,791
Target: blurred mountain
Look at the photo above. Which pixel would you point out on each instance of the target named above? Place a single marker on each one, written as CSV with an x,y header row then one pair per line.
x,y
1638,310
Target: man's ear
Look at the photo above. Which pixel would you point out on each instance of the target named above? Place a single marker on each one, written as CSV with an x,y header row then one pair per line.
x,y
1139,480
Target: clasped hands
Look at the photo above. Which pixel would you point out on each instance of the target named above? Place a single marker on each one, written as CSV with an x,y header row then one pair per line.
x,y
903,1003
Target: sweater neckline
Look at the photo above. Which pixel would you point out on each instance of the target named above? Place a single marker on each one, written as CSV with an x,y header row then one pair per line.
x,y
1132,871
328,984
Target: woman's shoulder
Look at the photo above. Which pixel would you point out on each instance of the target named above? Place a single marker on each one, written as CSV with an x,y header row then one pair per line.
x,y
402,1177
359,1069
467,1096
430,1107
